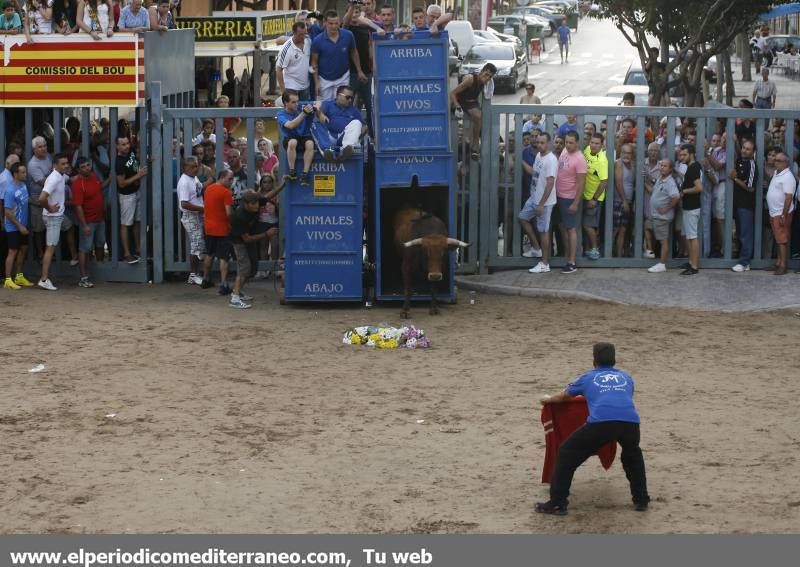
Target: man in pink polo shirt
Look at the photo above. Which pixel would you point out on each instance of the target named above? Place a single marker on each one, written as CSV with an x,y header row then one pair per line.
x,y
569,191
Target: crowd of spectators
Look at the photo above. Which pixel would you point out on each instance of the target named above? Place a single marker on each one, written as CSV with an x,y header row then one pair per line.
x,y
98,18
682,191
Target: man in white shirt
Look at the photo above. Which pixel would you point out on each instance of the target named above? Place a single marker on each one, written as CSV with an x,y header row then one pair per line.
x,y
780,200
541,202
292,67
764,91
190,202
52,201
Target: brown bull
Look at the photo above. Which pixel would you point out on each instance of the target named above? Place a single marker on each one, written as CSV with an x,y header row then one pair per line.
x,y
422,236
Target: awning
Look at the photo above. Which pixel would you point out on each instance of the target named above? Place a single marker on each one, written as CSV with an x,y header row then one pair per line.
x,y
782,10
211,50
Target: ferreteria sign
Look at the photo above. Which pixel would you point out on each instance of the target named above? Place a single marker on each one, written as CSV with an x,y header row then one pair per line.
x,y
220,28
241,26
69,71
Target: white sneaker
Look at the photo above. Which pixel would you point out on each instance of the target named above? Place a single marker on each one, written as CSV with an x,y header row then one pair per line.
x,y
533,253
260,275
741,268
47,284
649,254
194,279
237,303
657,269
246,298
540,268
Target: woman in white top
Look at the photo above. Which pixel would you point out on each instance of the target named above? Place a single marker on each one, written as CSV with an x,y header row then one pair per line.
x,y
38,17
95,17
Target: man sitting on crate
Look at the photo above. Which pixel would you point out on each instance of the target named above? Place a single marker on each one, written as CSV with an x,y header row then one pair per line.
x,y
338,126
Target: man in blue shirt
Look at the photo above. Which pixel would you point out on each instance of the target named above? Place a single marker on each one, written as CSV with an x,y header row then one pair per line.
x,y
15,205
331,53
134,18
338,125
564,37
612,417
294,123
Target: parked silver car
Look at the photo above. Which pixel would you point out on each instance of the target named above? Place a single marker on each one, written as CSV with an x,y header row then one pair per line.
x,y
512,68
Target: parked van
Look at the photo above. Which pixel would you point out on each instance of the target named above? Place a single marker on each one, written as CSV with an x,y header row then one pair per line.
x,y
461,32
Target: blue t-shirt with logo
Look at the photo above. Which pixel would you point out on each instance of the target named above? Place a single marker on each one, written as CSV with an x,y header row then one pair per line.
x,y
15,198
339,117
608,393
334,58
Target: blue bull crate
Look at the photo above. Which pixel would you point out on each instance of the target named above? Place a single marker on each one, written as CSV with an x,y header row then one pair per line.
x,y
324,232
411,93
422,179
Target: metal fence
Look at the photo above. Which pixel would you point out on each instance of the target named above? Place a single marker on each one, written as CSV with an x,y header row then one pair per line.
x,y
500,186
21,125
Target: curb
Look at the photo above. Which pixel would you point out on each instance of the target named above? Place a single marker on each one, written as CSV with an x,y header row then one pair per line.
x,y
501,289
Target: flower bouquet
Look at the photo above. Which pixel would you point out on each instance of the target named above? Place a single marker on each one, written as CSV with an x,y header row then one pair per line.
x,y
386,337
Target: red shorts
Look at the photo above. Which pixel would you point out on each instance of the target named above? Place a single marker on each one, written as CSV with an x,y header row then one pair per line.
x,y
781,233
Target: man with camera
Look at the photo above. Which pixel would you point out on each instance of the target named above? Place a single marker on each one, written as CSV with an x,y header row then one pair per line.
x,y
331,54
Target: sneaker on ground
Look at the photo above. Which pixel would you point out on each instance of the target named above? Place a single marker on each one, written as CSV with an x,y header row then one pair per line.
x,y
206,284
540,268
9,284
649,254
347,151
73,262
640,506
292,174
194,279
237,303
741,268
569,269
658,268
246,297
85,282
22,281
132,259
594,254
550,508
533,253
305,180
260,275
47,284
690,271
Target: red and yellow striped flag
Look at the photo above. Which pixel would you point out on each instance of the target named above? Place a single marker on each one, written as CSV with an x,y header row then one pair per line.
x,y
75,70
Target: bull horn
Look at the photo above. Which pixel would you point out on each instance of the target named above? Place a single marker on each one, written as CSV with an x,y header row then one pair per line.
x,y
415,242
456,242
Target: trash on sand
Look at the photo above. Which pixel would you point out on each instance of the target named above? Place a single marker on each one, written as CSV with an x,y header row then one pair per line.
x,y
109,415
420,421
37,368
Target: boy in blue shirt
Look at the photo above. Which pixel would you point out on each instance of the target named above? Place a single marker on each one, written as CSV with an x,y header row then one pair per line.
x,y
612,417
15,201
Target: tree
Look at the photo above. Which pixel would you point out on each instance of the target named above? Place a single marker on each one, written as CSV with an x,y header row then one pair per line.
x,y
695,30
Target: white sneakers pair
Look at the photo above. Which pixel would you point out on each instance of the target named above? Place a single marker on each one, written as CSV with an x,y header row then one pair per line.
x,y
741,268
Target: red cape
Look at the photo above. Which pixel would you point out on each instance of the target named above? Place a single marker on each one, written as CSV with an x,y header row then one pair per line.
x,y
559,421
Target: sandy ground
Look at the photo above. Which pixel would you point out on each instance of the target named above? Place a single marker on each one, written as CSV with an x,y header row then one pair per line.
x,y
263,421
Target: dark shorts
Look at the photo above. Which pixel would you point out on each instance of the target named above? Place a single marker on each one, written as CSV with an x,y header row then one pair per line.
x,y
301,141
264,227
219,247
591,216
568,220
468,105
16,240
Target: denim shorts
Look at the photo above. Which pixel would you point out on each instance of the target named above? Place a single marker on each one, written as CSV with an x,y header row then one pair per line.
x,y
53,227
690,220
96,237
